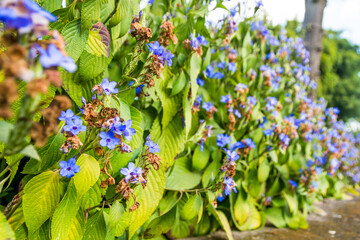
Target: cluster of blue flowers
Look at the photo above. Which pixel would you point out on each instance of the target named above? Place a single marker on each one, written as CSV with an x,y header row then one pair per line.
x,y
74,124
163,54
197,42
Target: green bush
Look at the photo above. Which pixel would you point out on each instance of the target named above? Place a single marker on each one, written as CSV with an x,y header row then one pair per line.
x,y
175,127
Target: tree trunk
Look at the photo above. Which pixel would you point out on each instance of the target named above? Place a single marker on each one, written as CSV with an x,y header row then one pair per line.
x,y
314,10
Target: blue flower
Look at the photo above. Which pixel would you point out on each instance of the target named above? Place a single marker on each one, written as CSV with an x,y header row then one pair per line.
x,y
108,140
268,132
131,173
249,143
200,81
68,115
225,99
232,67
251,100
24,16
69,168
163,54
196,42
74,126
208,106
222,140
108,87
237,145
221,65
233,11
237,113
52,57
156,48
293,183
271,103
229,185
153,147
285,139
138,90
232,155
151,2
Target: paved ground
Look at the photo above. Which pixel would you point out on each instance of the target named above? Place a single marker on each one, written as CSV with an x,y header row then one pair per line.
x,y
340,220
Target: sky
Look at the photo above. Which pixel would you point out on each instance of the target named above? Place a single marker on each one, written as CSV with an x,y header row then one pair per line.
x,y
341,15
338,15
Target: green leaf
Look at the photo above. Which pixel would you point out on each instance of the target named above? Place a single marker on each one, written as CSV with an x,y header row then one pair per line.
x,y
179,84
170,104
88,175
5,129
116,212
275,216
41,196
90,11
171,141
187,112
148,198
161,225
122,10
292,202
51,5
254,220
221,218
65,214
191,208
275,188
200,158
241,210
75,40
168,201
181,170
263,171
91,66
98,43
5,229
195,67
210,173
77,229
95,228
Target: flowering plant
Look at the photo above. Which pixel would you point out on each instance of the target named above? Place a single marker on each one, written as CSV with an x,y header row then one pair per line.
x,y
118,122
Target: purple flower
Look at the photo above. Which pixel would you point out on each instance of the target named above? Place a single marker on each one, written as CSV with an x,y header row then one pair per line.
x,y
156,48
108,87
237,113
251,100
232,155
271,103
208,106
24,15
221,65
74,126
233,11
237,145
67,115
126,148
52,57
153,147
225,99
249,143
285,139
108,140
229,185
259,4
69,168
196,42
268,132
163,54
131,173
293,183
200,81
232,67
222,140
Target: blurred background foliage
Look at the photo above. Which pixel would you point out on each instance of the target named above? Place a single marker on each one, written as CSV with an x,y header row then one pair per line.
x,y
340,71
